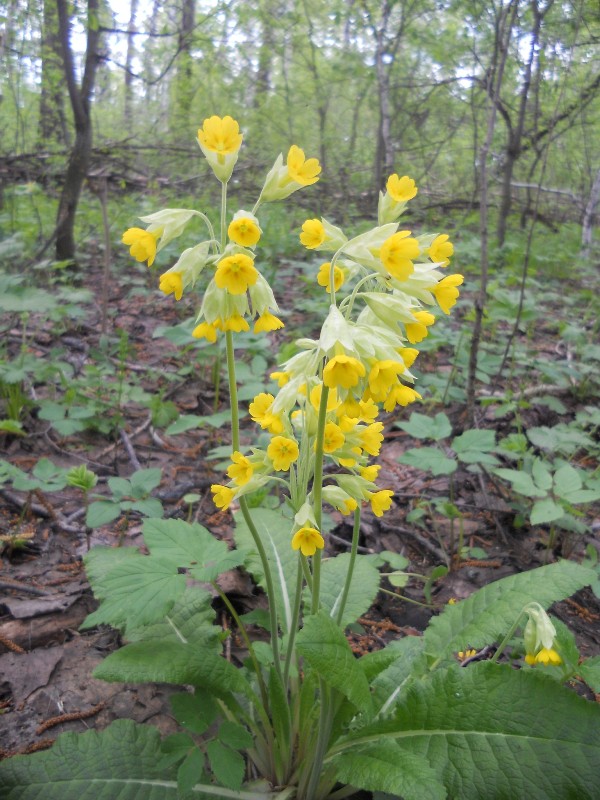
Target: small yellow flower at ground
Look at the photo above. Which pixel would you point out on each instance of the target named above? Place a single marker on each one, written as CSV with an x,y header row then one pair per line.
x,y
344,371
441,250
235,273
267,322
313,233
371,438
141,243
452,601
333,438
283,451
400,395
370,473
260,412
222,495
381,501
548,656
324,274
244,231
463,654
446,292
408,355
281,377
308,541
396,254
220,135
401,190
171,283
304,171
235,323
205,331
416,331
240,470
382,376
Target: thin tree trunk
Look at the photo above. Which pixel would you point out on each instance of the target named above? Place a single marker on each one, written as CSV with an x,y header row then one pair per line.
x,y
588,216
128,99
503,34
80,102
53,124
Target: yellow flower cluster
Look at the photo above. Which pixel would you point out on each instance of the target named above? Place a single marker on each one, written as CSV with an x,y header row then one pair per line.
x,y
237,290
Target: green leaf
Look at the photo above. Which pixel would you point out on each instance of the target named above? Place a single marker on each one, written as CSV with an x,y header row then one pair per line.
x,y
473,447
489,613
495,732
12,426
545,510
423,427
522,482
429,458
172,662
192,546
390,685
190,620
275,533
144,481
101,513
196,712
137,591
226,765
187,422
151,507
235,736
120,761
325,648
541,474
589,671
363,589
190,771
386,767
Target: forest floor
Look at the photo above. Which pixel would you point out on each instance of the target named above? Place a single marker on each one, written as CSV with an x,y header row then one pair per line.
x,y
46,663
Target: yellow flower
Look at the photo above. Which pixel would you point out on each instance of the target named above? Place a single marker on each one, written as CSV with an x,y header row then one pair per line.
x,y
235,323
171,283
343,371
370,473
463,654
452,601
221,136
141,243
371,438
396,254
548,655
235,273
408,355
260,412
205,330
315,397
222,495
349,408
381,501
281,377
267,322
283,452
400,395
446,292
313,233
308,541
241,470
382,376
333,438
368,411
244,231
401,189
530,659
416,331
300,169
441,250
325,272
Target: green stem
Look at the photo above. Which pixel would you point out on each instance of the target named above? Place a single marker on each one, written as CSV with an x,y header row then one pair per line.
x,y
325,720
235,437
507,638
223,216
295,622
247,642
318,494
353,552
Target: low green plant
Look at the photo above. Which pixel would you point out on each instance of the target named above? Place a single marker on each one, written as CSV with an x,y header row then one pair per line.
x,y
301,717
127,495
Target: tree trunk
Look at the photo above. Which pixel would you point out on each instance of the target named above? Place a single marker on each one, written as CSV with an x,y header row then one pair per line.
x,y
184,86
53,124
128,99
588,216
80,102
